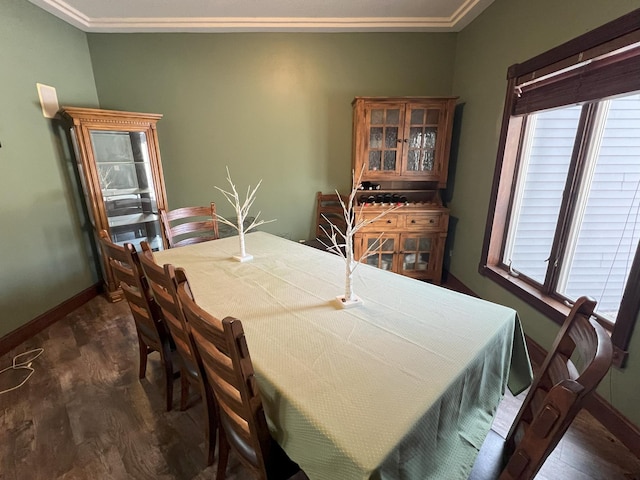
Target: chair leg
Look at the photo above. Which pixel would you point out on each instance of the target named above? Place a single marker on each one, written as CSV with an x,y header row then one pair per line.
x,y
144,351
168,375
223,455
211,412
184,393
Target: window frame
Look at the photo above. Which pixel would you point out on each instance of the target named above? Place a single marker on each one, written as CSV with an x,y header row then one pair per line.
x,y
592,45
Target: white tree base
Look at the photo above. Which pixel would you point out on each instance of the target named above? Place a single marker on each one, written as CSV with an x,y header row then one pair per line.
x,y
343,303
243,258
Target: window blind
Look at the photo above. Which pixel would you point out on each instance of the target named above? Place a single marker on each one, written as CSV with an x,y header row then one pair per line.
x,y
609,75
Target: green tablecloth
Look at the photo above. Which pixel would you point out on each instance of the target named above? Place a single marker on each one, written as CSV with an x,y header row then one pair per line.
x,y
402,387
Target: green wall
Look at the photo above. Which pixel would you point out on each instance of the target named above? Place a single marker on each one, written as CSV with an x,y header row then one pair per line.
x,y
44,256
275,107
508,32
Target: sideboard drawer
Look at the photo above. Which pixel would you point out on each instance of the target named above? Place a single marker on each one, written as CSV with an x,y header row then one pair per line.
x,y
435,221
389,221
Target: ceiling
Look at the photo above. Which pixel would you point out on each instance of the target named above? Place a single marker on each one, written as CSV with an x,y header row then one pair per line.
x,y
113,16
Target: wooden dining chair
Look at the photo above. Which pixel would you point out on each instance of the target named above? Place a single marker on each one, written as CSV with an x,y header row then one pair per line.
x,y
223,353
163,286
328,211
187,225
153,335
580,357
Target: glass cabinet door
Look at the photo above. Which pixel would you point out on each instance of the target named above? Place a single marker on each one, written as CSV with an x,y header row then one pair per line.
x,y
384,138
383,256
126,183
403,138
416,253
420,149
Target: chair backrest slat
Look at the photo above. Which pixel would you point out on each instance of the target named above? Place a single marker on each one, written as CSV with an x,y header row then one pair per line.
x,y
560,368
585,339
219,366
188,225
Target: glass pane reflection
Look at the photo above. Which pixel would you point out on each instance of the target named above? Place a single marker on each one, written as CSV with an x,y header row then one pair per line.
x,y
386,261
112,147
413,160
409,261
116,177
415,137
425,244
417,116
387,244
430,137
409,244
391,137
375,137
390,160
377,117
432,116
393,116
375,160
427,160
423,262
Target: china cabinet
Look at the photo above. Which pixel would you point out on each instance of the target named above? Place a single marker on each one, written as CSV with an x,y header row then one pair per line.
x,y
119,165
401,145
403,138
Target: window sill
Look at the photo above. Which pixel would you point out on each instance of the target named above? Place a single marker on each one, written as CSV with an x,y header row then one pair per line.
x,y
550,307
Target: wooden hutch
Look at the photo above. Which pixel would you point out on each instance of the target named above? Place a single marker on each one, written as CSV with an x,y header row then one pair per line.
x,y
402,145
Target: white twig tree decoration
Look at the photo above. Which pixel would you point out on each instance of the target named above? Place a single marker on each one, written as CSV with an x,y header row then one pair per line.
x,y
105,178
342,242
242,210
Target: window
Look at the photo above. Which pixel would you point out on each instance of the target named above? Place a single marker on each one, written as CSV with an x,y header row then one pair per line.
x,y
564,219
598,243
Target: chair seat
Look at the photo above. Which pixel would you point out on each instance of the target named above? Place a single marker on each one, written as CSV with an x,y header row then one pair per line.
x,y
489,461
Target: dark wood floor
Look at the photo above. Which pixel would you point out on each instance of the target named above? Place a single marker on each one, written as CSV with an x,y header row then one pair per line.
x,y
85,415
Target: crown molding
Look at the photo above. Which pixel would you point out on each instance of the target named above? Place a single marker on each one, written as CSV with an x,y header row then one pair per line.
x,y
270,24
65,12
458,20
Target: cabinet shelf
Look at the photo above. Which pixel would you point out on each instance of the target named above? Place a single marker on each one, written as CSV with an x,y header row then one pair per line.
x,y
385,197
134,219
384,206
154,242
393,190
118,192
121,162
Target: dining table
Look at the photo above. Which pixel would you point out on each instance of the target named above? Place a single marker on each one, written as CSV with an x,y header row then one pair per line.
x,y
404,385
